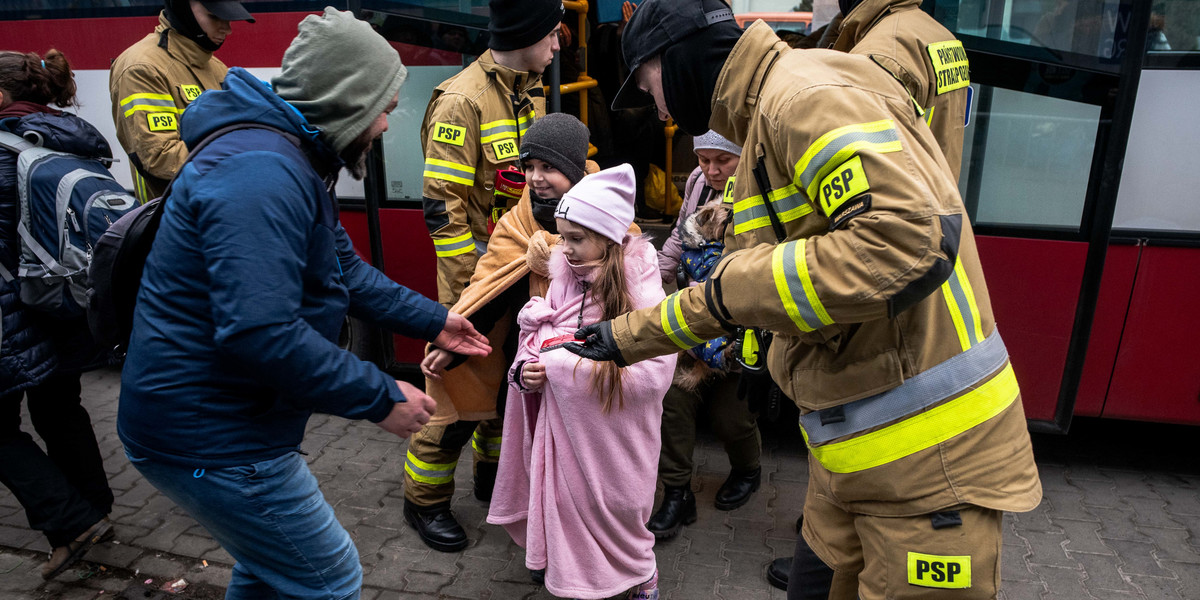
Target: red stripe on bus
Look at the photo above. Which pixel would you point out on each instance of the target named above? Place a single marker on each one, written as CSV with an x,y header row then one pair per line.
x,y
95,43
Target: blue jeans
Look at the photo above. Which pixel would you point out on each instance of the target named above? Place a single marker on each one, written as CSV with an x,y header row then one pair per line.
x,y
271,517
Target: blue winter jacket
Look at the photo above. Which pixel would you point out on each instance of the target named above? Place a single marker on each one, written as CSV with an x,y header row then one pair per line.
x,y
244,292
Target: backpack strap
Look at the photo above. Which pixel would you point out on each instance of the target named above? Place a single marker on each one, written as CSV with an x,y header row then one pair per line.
x,y
15,142
220,132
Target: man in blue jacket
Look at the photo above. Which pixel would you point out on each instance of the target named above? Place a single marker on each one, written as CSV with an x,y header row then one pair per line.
x,y
251,275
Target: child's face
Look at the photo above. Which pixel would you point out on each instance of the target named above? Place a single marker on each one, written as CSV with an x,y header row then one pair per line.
x,y
545,181
580,244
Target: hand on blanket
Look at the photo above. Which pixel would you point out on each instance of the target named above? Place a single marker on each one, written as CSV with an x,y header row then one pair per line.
x,y
435,362
598,344
409,417
533,375
459,336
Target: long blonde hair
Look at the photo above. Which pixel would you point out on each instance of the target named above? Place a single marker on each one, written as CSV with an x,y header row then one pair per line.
x,y
611,292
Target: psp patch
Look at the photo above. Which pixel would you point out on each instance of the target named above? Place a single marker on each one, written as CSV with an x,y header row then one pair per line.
x,y
933,571
845,182
162,121
727,195
505,149
449,134
950,64
190,92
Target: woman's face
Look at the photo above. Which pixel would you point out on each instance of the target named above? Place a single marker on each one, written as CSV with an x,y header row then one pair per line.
x,y
717,166
544,180
581,245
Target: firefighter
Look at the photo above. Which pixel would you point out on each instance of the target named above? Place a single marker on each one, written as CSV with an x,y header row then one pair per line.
x,y
862,264
154,80
924,56
472,129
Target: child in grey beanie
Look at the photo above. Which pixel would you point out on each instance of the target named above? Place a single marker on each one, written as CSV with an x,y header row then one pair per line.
x,y
340,74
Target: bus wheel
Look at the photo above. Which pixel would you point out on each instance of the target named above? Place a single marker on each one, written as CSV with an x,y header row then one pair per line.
x,y
361,339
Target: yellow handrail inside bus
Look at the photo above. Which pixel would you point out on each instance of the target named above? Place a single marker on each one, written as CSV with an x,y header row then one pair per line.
x,y
669,131
583,83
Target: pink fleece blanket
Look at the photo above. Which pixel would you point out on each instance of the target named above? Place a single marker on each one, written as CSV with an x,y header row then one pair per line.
x,y
576,486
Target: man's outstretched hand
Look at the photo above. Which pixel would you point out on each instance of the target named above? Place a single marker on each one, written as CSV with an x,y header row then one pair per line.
x,y
408,417
598,344
459,336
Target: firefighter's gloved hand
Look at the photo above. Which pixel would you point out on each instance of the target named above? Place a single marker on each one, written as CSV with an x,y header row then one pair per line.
x,y
598,344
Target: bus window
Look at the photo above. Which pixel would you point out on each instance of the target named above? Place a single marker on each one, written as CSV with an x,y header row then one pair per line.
x,y
404,163
1174,27
1091,28
1038,153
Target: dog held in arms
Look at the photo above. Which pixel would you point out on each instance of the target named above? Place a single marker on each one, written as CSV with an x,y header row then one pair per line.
x,y
703,238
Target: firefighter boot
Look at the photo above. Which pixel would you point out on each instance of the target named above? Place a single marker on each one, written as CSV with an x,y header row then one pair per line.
x,y
678,509
485,480
436,526
778,572
737,488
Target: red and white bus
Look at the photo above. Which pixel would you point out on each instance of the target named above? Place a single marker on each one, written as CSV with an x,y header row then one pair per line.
x,y
1079,173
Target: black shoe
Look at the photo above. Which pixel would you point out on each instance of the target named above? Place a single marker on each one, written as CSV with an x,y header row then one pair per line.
x,y
436,526
737,489
538,576
678,509
778,572
485,480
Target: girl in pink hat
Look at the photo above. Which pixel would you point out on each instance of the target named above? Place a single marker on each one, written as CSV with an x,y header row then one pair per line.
x,y
579,459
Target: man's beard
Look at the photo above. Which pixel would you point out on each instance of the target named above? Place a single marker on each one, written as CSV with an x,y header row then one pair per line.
x,y
355,156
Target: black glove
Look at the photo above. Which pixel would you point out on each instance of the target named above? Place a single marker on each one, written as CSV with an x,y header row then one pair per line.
x,y
598,344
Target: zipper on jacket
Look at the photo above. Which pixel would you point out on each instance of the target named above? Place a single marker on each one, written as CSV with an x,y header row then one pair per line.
x,y
585,286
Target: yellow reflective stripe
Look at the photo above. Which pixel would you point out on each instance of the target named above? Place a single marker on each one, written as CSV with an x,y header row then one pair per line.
x,y
132,97
461,244
835,147
449,171
964,312
497,130
151,108
527,120
784,287
750,214
929,116
671,317
795,286
485,446
433,474
921,430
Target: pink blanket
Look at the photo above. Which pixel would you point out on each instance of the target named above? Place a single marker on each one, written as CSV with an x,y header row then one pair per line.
x,y
576,486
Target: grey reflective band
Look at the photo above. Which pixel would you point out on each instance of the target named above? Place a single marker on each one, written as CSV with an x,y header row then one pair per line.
x,y
148,102
796,286
429,472
964,306
946,379
759,211
716,16
496,129
816,163
467,243
449,170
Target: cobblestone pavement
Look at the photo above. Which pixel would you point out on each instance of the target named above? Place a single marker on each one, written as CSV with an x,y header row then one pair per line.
x,y
1120,520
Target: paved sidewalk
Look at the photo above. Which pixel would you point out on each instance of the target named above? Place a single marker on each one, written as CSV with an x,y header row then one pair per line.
x,y
1121,519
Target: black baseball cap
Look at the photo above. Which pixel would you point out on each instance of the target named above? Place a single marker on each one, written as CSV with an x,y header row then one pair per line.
x,y
656,24
228,10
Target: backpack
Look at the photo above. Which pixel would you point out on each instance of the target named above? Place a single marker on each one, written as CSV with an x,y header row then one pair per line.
x,y
67,202
115,273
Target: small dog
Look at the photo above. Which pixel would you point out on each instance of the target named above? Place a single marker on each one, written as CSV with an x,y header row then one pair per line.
x,y
700,234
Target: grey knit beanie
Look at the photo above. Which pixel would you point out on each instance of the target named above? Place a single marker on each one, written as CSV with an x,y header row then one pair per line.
x,y
712,140
340,74
561,140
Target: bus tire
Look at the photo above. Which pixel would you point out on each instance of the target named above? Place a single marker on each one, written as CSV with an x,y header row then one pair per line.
x,y
361,339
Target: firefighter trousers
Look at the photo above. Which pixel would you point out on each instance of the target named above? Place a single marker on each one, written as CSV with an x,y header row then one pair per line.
x,y
433,456
732,422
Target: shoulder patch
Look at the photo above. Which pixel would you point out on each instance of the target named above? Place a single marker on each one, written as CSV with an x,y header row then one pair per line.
x,y
449,134
846,181
727,195
162,121
190,92
950,64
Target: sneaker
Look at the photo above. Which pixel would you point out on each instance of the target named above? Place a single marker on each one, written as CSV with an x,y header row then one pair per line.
x,y
645,591
62,557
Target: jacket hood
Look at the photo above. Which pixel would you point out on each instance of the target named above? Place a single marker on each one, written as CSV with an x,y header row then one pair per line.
x,y
244,98
63,132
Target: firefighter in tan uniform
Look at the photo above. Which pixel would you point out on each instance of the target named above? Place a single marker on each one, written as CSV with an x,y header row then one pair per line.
x,y
472,129
883,330
154,80
915,49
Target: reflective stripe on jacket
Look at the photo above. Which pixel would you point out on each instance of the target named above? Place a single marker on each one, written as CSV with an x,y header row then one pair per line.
x,y
472,128
876,283
150,86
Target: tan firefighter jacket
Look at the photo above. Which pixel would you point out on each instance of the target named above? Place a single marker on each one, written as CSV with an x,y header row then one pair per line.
x,y
472,128
150,86
923,55
884,333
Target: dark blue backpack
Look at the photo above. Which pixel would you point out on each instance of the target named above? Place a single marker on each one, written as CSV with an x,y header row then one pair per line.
x,y
67,202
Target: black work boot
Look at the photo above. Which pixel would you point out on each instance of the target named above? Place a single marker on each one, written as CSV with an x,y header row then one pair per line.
x,y
778,572
678,509
485,480
737,488
436,526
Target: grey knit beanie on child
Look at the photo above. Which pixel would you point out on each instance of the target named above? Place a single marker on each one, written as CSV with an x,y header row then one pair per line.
x,y
561,140
340,74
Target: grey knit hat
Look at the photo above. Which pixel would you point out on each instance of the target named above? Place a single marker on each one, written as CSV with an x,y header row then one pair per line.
x,y
712,140
340,74
561,140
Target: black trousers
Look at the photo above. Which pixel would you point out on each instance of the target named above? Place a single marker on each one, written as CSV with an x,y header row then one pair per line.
x,y
63,490
811,578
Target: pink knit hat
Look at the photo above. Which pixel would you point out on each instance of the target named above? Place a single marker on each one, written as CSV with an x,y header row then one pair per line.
x,y
602,202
